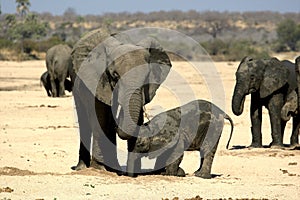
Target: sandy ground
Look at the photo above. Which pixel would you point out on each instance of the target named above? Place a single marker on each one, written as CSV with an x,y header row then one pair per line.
x,y
39,144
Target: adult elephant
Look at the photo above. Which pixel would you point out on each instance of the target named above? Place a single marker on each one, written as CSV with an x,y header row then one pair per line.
x,y
113,83
45,80
59,66
268,81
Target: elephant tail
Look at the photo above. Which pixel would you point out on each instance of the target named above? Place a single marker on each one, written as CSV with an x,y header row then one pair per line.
x,y
232,125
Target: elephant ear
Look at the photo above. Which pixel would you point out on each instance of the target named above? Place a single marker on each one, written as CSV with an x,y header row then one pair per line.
x,y
275,77
86,44
93,74
106,83
160,66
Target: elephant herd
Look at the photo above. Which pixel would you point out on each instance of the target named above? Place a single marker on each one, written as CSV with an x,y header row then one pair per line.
x,y
112,78
271,83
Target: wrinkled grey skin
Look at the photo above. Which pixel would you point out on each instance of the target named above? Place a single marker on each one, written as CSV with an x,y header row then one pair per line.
x,y
45,80
115,55
297,70
195,126
291,108
269,81
59,65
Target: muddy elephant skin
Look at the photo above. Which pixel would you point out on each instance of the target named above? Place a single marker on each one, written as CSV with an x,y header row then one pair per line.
x,y
195,126
269,81
291,108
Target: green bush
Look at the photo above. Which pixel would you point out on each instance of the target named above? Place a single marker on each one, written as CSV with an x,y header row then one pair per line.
x,y
288,33
5,43
43,46
215,47
233,50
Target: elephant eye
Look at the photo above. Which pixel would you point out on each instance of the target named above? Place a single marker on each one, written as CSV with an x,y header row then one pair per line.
x,y
115,75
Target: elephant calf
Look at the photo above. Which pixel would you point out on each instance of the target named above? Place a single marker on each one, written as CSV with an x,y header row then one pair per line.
x,y
45,80
292,106
196,126
290,109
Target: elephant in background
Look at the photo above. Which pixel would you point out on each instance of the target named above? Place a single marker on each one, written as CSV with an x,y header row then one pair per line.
x,y
297,70
45,80
59,67
195,126
127,76
269,81
291,107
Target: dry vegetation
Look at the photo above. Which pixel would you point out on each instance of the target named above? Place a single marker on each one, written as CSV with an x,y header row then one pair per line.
x,y
225,35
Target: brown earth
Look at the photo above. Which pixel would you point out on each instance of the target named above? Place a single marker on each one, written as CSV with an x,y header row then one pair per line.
x,y
39,144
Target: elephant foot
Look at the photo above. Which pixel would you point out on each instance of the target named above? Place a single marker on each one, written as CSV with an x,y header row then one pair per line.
x,y
294,142
81,165
277,146
97,165
203,175
117,169
180,172
100,166
255,145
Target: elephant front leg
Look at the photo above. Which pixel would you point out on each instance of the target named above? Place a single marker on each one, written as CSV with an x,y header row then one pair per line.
x,y
85,135
275,104
256,118
173,169
104,150
294,141
174,159
134,163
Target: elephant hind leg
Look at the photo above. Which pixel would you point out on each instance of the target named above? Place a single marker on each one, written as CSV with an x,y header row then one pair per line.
x,y
53,87
207,158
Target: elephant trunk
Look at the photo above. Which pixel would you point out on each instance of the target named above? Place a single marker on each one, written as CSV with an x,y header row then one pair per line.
x,y
285,113
290,107
238,100
131,115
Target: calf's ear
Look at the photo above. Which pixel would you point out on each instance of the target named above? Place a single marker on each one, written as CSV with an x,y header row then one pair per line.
x,y
142,145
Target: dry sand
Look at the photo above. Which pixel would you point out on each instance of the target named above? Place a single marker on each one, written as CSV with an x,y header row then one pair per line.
x,y
39,144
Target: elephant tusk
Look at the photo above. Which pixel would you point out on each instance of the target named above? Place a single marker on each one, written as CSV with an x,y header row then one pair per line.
x,y
118,111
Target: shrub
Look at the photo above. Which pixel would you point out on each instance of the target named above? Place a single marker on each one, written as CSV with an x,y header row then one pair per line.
x,y
5,43
233,50
288,33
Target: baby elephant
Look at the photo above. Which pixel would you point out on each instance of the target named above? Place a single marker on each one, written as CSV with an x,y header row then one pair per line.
x,y
196,126
45,80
